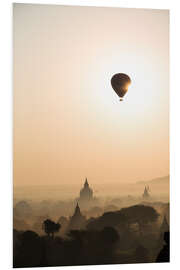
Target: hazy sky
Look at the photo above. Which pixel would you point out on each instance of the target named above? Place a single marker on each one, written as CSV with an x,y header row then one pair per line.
x,y
68,122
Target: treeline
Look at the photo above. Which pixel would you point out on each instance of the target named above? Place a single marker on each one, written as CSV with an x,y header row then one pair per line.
x,y
130,235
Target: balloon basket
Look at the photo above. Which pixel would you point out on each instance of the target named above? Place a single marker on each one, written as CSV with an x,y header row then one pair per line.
x,y
121,99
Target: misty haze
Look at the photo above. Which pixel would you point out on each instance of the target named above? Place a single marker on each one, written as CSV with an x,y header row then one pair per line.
x,y
91,135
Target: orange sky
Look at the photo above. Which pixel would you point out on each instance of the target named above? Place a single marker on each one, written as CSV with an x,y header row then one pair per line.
x,y
68,122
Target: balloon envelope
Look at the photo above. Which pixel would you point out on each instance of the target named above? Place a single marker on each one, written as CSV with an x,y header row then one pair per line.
x,y
120,83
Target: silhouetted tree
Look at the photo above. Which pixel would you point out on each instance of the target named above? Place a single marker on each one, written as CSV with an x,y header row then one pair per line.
x,y
164,253
141,254
109,236
140,214
29,252
50,227
108,239
108,219
93,247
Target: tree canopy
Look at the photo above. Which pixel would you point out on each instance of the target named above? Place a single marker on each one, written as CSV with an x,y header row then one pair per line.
x,y
140,214
50,227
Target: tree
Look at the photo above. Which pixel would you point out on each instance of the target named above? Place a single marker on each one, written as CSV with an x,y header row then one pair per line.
x,y
108,219
94,246
137,214
29,251
163,256
109,236
141,254
50,227
140,214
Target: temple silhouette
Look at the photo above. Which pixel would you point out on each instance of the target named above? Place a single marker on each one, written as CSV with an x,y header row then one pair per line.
x,y
86,193
77,220
86,198
164,226
146,194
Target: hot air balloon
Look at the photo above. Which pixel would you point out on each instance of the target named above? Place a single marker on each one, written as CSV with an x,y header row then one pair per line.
x,y
120,83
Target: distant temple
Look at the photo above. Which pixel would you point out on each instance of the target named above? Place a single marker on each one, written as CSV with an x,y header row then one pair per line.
x,y
164,226
86,200
86,193
146,194
77,221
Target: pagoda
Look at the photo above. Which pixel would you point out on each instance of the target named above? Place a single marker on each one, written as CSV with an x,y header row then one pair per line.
x,y
77,221
86,193
146,194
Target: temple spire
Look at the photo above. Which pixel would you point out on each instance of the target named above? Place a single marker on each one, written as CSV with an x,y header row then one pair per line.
x,y
146,192
86,183
164,225
86,193
77,210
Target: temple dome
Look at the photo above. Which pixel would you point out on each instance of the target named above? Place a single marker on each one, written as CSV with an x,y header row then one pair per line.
x,y
86,193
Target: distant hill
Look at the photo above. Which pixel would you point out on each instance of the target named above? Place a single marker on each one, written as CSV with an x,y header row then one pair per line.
x,y
156,181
